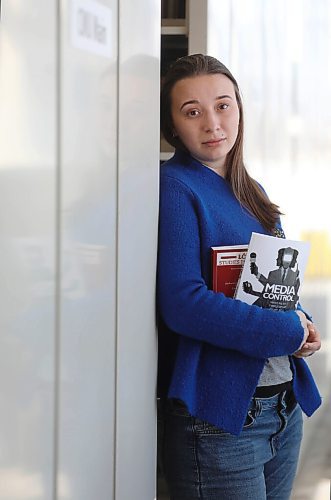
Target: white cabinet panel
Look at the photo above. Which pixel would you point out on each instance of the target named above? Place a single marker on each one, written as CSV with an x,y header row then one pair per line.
x,y
138,163
27,248
88,262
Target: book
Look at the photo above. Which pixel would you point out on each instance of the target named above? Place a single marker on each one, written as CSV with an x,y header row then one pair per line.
x,y
273,272
227,264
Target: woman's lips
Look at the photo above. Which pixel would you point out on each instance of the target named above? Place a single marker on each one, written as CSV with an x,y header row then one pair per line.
x,y
214,142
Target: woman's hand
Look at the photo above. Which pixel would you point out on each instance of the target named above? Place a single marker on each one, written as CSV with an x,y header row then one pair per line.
x,y
304,324
311,342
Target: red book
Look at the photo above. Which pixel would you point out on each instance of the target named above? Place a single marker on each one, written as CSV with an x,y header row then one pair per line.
x,y
227,264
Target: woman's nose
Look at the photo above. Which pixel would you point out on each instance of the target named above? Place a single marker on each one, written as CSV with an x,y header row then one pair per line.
x,y
212,122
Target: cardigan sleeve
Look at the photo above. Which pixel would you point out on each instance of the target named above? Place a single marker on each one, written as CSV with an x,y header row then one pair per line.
x,y
189,308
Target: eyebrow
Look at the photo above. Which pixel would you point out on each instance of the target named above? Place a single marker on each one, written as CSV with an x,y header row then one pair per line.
x,y
195,101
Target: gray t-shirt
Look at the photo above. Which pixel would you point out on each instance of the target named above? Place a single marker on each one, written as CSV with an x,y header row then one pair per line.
x,y
276,371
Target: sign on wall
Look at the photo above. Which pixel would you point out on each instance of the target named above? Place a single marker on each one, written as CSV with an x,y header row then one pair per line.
x,y
91,27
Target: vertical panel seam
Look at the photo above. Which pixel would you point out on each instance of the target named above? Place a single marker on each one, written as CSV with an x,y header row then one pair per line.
x,y
58,155
116,256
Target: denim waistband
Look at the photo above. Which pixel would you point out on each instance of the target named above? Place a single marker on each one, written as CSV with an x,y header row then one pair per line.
x,y
285,399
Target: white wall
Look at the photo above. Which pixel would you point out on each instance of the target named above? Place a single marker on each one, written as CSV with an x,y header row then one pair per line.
x,y
79,155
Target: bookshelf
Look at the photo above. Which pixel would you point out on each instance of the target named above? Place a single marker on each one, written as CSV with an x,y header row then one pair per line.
x,y
174,44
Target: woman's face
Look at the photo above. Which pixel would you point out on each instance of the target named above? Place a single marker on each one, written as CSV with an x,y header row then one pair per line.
x,y
205,115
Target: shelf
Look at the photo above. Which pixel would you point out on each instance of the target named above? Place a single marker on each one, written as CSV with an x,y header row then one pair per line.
x,y
167,151
164,156
174,27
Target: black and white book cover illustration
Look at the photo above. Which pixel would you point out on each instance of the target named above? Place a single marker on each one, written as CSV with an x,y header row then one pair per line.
x,y
273,272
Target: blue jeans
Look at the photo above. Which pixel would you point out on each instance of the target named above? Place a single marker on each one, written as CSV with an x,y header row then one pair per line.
x,y
203,462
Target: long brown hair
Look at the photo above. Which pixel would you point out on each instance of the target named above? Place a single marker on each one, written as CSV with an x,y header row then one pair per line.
x,y
246,189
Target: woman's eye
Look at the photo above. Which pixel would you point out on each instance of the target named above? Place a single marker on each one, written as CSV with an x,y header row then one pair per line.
x,y
193,112
223,105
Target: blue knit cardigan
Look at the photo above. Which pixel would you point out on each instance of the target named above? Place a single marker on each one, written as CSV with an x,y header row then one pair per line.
x,y
212,349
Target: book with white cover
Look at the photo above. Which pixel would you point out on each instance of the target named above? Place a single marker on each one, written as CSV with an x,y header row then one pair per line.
x,y
273,272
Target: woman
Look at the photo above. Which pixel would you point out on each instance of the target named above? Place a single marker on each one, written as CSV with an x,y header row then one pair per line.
x,y
230,374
